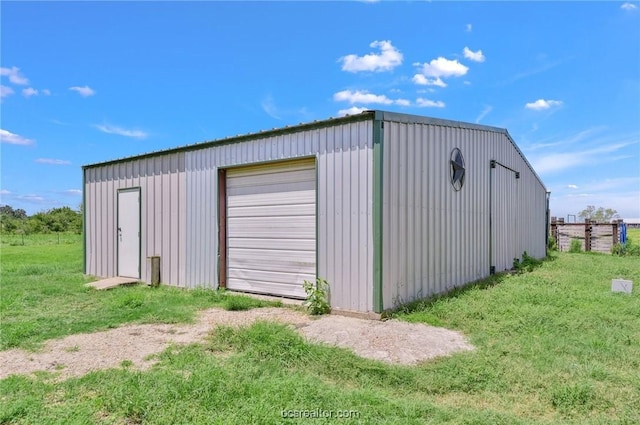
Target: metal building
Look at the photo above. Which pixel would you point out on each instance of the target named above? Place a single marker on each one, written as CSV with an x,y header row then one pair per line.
x,y
386,207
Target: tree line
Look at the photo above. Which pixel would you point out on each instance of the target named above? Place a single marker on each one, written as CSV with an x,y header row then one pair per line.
x,y
65,219
55,220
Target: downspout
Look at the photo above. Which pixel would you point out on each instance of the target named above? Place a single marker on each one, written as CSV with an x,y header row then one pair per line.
x,y
378,126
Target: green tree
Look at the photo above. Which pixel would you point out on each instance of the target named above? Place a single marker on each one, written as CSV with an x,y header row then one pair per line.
x,y
11,220
62,219
7,210
600,215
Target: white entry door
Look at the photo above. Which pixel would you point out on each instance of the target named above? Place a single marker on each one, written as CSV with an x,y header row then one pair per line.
x,y
128,233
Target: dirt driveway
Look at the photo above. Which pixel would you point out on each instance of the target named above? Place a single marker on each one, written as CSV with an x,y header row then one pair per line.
x,y
390,341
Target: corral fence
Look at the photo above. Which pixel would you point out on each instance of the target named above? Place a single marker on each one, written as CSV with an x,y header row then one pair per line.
x,y
593,236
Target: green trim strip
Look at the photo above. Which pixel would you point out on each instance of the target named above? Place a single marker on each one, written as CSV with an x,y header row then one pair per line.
x,y
84,221
377,213
317,221
492,167
546,224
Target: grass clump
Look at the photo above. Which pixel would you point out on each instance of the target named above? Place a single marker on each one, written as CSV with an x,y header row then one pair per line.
x,y
575,246
630,248
243,302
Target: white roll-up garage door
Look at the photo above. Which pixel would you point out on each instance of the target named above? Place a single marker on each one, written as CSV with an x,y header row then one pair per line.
x,y
271,228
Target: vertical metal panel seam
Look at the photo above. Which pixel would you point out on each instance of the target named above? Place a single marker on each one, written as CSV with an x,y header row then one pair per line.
x,y
84,220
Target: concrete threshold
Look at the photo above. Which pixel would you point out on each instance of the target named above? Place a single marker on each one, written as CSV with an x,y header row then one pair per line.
x,y
110,283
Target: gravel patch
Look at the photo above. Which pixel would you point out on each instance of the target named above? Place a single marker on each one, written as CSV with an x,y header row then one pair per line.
x,y
390,341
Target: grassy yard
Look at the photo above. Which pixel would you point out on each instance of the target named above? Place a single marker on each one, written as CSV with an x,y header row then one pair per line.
x,y
43,295
554,345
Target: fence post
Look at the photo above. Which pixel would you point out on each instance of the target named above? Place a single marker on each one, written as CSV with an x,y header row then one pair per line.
x,y
587,235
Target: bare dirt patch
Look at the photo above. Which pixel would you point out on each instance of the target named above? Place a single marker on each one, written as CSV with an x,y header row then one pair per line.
x,y
390,341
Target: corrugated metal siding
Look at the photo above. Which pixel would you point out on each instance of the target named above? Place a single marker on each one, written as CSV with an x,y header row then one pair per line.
x,y
344,193
520,204
162,183
505,243
435,238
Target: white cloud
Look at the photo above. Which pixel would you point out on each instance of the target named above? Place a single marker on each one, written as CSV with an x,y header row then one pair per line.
x,y
354,110
443,67
427,103
84,91
487,109
30,91
359,96
530,72
579,137
628,6
542,104
14,139
5,192
432,73
46,92
621,194
53,161
111,129
31,198
388,58
403,102
14,76
559,161
5,91
473,56
421,80
270,107
74,192
469,28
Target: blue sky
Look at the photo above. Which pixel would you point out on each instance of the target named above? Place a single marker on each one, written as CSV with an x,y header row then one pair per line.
x,y
85,82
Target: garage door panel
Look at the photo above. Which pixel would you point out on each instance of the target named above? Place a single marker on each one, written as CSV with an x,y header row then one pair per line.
x,y
274,244
271,228
262,287
273,210
262,169
293,228
275,179
268,260
283,278
263,199
269,188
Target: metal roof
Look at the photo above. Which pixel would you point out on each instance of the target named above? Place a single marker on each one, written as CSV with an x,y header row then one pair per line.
x,y
243,137
369,114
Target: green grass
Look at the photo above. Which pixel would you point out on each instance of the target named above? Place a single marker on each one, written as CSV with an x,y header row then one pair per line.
x,y
43,296
40,239
553,345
